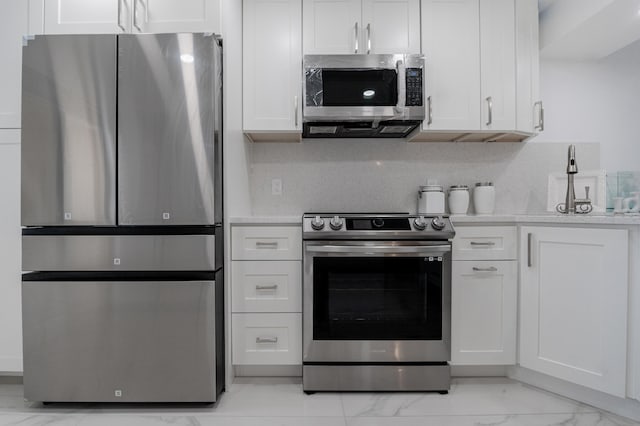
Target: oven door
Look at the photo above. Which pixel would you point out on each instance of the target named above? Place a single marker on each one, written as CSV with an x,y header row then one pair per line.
x,y
376,301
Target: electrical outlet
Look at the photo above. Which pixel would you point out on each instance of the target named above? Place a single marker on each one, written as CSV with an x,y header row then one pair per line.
x,y
276,186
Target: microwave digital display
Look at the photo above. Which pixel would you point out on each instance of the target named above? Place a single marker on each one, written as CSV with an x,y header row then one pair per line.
x,y
359,87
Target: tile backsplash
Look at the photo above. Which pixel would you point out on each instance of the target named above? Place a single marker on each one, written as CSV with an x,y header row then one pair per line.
x,y
383,175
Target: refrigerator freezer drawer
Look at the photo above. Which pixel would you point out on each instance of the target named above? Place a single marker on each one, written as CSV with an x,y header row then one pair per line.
x,y
115,341
118,253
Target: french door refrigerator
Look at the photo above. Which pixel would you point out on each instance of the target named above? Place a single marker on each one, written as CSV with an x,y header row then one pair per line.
x,y
122,289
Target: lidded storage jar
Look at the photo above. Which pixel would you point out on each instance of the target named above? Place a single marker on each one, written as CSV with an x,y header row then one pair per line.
x,y
431,200
458,199
484,198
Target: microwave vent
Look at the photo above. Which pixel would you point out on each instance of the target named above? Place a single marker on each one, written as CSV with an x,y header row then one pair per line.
x,y
396,129
323,130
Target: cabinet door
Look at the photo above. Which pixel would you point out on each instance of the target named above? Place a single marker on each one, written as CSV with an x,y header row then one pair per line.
x,y
272,65
450,30
86,17
170,16
484,302
497,64
332,27
13,25
391,26
529,107
10,306
573,301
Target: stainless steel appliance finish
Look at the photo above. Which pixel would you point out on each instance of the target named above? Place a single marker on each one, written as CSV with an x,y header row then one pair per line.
x,y
315,110
376,377
168,88
377,302
127,304
154,340
69,131
118,253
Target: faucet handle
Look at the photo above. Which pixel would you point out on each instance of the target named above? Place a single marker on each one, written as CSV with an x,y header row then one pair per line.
x,y
586,191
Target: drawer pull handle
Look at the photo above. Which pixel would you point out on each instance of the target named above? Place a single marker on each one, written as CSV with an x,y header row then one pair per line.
x,y
489,269
267,287
266,339
483,244
266,245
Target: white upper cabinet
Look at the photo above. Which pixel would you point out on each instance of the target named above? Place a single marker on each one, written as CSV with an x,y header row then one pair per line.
x,y
118,16
13,25
450,44
361,26
272,66
482,69
497,64
573,305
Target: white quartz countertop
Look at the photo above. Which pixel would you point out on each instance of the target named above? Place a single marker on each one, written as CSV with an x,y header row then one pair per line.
x,y
593,219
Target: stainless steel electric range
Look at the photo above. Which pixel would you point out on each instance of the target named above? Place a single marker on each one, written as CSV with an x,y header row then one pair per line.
x,y
377,302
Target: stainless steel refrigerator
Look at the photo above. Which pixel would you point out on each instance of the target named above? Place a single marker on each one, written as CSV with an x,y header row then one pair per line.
x,y
122,290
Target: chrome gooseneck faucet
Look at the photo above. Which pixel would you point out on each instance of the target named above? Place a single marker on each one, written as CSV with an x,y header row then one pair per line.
x,y
572,204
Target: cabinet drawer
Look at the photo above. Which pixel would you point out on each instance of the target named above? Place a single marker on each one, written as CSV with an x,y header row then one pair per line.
x,y
485,243
266,286
267,339
266,243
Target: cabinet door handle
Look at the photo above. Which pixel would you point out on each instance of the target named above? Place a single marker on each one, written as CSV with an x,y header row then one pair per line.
x,y
272,339
120,16
135,15
266,244
368,38
540,125
429,111
482,243
295,111
267,287
356,43
529,250
490,110
489,269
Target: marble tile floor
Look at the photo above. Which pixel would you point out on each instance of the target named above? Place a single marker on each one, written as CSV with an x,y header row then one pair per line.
x,y
281,402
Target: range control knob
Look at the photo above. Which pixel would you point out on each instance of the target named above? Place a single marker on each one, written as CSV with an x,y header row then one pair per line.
x,y
336,223
419,223
438,224
317,223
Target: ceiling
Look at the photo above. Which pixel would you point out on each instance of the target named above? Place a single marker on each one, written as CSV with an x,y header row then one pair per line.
x,y
587,29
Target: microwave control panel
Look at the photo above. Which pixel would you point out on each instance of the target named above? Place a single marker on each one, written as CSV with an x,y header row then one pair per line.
x,y
414,87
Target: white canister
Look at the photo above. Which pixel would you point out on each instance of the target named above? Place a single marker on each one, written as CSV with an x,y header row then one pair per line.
x,y
484,198
431,200
458,199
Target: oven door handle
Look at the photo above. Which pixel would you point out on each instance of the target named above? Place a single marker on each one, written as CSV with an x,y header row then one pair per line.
x,y
418,250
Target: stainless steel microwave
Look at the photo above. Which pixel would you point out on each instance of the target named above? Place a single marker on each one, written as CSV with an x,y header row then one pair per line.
x,y
363,95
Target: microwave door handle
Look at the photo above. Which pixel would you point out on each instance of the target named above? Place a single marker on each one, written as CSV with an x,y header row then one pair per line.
x,y
402,87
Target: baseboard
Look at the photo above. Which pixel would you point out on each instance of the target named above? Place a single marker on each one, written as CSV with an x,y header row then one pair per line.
x,y
622,406
268,370
10,379
479,370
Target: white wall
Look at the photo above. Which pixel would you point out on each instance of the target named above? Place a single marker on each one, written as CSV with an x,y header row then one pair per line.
x,y
596,102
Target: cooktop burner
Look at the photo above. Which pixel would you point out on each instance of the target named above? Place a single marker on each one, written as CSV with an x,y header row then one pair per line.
x,y
376,226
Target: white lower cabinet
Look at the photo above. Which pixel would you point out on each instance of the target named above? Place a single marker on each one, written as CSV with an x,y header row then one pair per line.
x,y
10,253
266,299
484,296
484,312
573,305
267,339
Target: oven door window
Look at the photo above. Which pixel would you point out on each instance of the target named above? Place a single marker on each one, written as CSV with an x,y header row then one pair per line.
x,y
377,298
354,87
